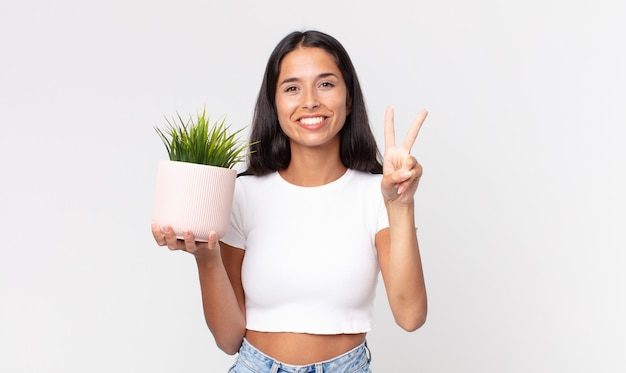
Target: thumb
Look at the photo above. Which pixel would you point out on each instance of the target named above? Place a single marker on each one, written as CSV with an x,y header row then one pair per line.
x,y
213,242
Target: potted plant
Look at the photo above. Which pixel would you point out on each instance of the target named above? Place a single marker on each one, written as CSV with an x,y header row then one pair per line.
x,y
195,187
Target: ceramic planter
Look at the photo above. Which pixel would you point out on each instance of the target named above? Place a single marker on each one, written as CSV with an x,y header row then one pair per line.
x,y
194,197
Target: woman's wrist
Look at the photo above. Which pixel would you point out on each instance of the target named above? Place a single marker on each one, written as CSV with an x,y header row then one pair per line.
x,y
208,257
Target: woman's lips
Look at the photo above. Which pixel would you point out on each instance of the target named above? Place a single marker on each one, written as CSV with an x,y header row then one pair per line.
x,y
312,123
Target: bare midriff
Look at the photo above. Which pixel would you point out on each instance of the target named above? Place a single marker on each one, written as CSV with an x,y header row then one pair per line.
x,y
303,349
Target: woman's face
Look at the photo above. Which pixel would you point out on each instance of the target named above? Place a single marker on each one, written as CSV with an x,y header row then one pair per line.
x,y
311,98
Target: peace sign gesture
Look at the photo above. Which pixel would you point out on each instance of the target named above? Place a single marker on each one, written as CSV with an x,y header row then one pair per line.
x,y
401,172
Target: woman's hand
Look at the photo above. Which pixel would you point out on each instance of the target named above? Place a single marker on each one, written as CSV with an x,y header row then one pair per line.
x,y
401,172
222,299
166,237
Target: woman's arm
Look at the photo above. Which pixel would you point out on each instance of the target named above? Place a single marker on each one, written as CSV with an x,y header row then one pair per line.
x,y
398,250
222,297
219,269
401,268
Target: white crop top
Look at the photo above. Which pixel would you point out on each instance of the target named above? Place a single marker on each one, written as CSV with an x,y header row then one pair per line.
x,y
311,264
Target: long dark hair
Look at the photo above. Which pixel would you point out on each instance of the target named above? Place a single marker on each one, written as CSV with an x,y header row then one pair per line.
x,y
271,151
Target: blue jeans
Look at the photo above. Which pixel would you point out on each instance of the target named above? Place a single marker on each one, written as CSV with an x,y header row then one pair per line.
x,y
251,360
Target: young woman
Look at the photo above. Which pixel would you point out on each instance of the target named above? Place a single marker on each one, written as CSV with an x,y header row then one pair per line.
x,y
316,217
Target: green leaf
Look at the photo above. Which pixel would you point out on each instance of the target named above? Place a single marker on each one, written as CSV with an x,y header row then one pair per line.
x,y
199,141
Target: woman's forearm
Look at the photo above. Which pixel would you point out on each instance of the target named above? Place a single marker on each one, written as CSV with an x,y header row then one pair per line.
x,y
406,289
222,311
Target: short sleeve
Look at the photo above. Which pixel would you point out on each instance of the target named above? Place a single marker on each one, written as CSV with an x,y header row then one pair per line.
x,y
235,236
382,220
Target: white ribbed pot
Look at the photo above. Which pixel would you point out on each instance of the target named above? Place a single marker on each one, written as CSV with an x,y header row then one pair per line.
x,y
194,197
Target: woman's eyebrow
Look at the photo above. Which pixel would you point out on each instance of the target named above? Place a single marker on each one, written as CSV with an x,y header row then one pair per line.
x,y
289,80
295,79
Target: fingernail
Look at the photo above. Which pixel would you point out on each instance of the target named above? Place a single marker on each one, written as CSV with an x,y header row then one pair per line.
x,y
401,189
167,229
405,174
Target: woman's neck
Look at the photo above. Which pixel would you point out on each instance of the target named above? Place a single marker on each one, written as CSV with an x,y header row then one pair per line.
x,y
311,167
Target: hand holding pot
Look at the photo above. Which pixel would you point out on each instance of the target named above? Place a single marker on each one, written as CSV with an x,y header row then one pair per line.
x,y
166,237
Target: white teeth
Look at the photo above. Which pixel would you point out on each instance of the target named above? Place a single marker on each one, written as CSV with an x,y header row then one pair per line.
x,y
310,121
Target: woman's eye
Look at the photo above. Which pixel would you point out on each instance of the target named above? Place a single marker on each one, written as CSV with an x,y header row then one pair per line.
x,y
291,89
327,85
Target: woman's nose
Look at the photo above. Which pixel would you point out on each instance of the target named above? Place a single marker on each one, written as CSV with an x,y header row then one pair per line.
x,y
310,100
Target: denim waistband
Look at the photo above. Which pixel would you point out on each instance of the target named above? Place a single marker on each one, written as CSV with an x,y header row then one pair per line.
x,y
350,361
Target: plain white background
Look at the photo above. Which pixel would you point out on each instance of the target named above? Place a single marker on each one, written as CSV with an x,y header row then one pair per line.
x,y
521,207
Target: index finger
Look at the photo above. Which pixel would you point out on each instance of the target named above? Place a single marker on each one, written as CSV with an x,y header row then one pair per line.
x,y
415,129
158,234
390,134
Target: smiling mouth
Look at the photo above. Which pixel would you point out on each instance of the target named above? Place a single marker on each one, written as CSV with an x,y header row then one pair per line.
x,y
311,121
